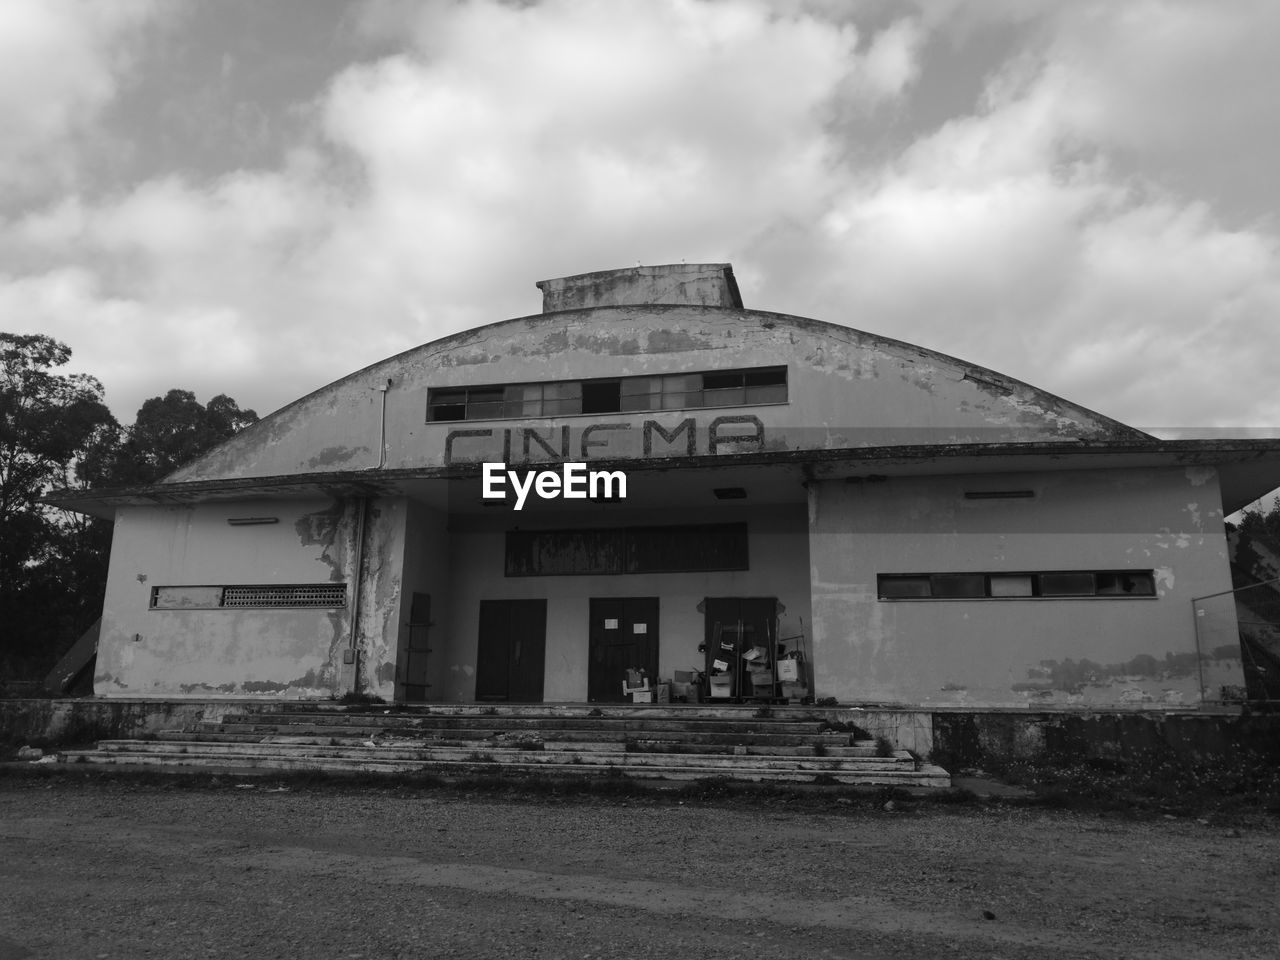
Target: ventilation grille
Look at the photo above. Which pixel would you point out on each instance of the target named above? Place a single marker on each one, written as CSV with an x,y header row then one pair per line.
x,y
309,595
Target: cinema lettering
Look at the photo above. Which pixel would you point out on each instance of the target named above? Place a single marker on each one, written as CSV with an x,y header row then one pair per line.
x,y
650,438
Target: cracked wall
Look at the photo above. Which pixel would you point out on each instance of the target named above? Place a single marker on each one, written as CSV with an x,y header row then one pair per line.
x,y
202,653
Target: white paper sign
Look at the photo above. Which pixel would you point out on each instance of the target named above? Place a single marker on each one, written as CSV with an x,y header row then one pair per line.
x,y
610,624
639,628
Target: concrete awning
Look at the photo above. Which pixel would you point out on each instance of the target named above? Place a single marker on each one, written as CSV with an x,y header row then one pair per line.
x,y
1247,470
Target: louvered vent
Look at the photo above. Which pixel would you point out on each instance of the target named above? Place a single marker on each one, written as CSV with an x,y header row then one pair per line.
x,y
305,595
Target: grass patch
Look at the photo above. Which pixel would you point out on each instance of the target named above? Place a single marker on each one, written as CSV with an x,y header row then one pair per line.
x,y
844,726
1151,781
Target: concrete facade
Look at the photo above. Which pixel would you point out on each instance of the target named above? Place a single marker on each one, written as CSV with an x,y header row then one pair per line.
x,y
1019,651
779,544
865,465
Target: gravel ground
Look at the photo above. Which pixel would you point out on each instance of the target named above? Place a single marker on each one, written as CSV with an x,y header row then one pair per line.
x,y
112,868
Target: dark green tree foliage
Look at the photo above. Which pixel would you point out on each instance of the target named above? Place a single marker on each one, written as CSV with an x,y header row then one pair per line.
x,y
1263,526
52,566
170,431
56,433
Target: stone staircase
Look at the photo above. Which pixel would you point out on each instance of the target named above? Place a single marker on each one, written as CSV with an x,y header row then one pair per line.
x,y
650,742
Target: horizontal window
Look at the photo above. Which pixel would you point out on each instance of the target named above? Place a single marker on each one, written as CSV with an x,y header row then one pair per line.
x,y
683,549
1045,585
682,391
252,596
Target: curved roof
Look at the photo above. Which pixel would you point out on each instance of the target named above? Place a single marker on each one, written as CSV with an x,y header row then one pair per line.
x,y
846,389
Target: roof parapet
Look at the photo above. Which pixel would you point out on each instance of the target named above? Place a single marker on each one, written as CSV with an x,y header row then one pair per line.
x,y
697,284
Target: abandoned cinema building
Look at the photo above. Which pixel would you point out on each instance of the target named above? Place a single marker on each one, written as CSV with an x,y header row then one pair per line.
x,y
810,512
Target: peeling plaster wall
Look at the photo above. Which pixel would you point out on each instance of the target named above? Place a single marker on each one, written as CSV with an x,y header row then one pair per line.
x,y
381,594
1018,652
778,548
847,388
426,570
282,653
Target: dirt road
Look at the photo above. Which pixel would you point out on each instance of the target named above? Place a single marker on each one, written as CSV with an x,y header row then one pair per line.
x,y
114,869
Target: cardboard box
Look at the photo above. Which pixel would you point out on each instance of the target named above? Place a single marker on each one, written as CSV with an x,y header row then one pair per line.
x,y
688,692
789,671
721,687
794,691
642,696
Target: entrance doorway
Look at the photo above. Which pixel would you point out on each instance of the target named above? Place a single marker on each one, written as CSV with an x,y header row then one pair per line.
x,y
734,625
623,635
511,654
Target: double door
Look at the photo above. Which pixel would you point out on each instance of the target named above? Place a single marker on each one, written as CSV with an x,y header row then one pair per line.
x,y
734,627
511,655
623,635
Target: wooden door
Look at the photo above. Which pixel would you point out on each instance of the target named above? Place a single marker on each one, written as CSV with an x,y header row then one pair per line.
x,y
623,634
413,662
511,651
733,626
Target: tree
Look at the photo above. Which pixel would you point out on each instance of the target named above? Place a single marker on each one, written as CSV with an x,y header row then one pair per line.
x,y
169,432
48,421
1263,526
55,432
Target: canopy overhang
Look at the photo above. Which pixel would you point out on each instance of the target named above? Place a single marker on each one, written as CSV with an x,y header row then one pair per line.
x,y
1247,470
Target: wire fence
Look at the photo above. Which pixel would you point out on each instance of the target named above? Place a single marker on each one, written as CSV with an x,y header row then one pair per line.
x,y
1243,623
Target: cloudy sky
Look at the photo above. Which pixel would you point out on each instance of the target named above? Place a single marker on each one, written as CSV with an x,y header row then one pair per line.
x,y
257,197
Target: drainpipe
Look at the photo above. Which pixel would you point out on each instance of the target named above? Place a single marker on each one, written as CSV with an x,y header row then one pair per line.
x,y
352,649
382,425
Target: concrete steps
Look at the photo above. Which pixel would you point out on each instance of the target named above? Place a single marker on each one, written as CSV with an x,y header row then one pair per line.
x,y
647,743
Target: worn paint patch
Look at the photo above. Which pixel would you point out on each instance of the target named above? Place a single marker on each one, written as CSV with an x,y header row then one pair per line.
x,y
1072,676
553,344
675,341
608,344
264,686
1199,476
336,456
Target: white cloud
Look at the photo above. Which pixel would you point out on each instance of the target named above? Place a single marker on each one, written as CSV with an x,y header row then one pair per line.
x,y
597,129
1059,233
60,65
1014,237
